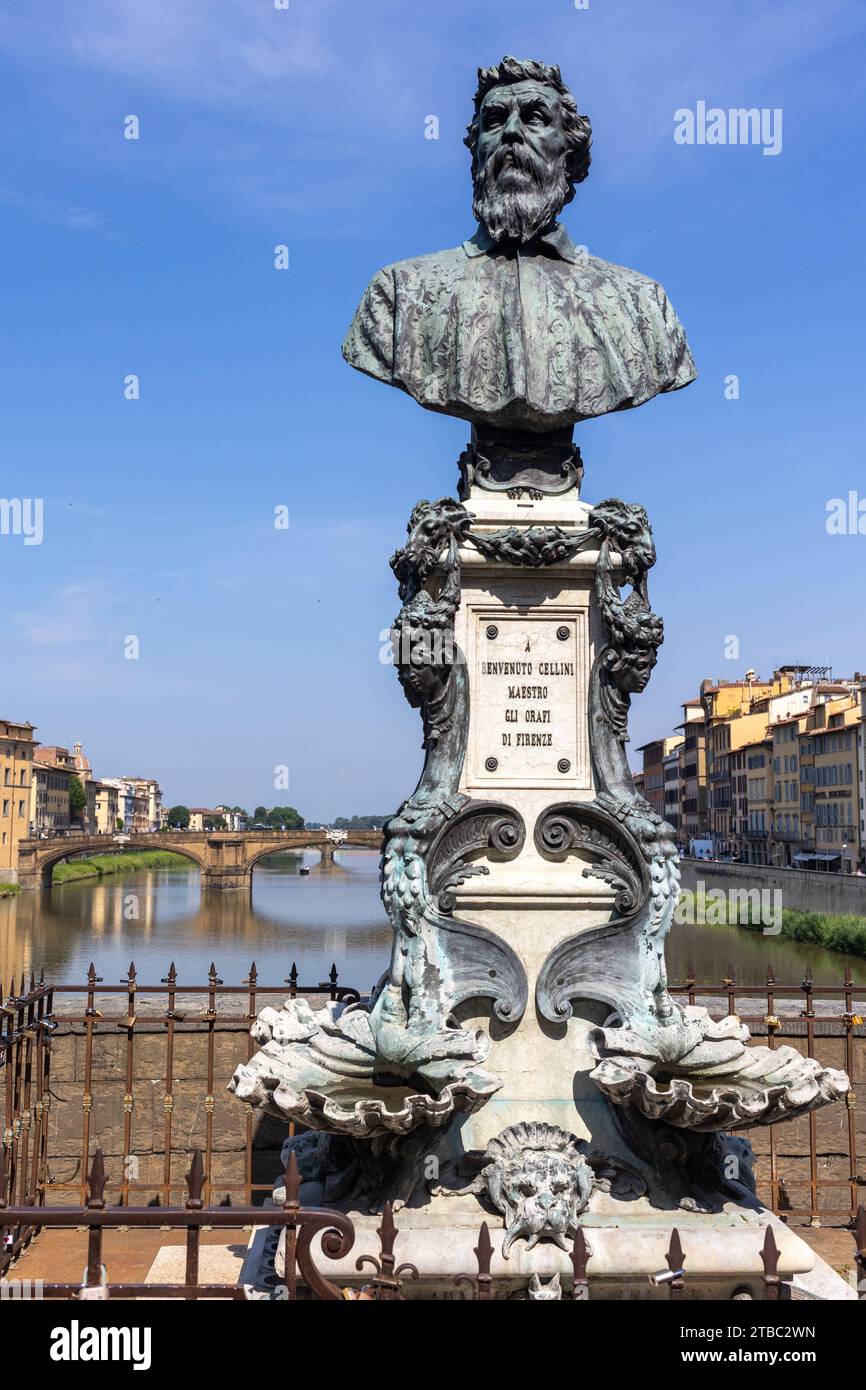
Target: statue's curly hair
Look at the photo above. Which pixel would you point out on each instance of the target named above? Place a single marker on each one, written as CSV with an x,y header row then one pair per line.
x,y
577,127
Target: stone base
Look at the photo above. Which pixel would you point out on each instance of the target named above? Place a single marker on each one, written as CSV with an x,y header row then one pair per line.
x,y
218,1264
722,1255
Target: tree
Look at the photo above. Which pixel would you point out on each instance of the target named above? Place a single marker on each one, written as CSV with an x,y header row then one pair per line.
x,y
360,822
285,818
260,815
77,799
178,817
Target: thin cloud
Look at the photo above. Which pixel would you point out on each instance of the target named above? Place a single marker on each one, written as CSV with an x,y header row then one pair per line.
x,y
54,212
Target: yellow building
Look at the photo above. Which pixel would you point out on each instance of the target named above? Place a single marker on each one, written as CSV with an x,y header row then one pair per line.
x,y
830,786
17,745
786,834
105,807
53,770
735,714
753,779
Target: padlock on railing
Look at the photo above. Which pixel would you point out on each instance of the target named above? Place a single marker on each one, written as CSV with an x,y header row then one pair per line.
x,y
94,1293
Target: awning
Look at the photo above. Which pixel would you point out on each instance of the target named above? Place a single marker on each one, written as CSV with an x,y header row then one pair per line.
x,y
826,858
804,857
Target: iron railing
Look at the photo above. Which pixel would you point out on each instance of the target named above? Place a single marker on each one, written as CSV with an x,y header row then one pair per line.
x,y
303,1274
27,1024
790,1014
171,1010
196,1010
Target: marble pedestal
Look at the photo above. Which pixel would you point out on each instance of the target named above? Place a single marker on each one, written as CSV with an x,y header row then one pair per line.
x,y
722,1256
525,1020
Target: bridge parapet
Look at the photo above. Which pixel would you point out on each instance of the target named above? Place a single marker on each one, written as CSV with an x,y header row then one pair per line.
x,y
226,858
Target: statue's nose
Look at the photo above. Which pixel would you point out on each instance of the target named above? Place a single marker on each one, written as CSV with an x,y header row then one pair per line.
x,y
512,131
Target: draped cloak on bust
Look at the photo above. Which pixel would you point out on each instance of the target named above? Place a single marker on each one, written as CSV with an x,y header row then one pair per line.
x,y
535,338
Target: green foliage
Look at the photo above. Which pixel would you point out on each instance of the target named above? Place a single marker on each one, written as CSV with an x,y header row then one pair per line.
x,y
99,864
832,931
360,822
844,931
178,817
807,927
278,817
77,798
287,817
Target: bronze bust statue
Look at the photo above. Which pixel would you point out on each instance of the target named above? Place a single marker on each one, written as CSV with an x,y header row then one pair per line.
x,y
517,330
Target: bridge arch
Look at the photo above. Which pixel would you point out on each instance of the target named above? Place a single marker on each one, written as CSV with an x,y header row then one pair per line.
x,y
267,851
312,839
51,852
225,859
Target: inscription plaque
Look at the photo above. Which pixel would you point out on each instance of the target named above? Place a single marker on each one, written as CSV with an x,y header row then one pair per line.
x,y
527,700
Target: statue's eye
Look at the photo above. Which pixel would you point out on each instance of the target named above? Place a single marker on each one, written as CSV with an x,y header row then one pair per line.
x,y
527,1188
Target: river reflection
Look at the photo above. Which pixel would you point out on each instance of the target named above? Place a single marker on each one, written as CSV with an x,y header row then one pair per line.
x,y
333,914
156,916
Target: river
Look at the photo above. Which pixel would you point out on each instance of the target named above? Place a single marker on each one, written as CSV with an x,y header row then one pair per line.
x,y
333,914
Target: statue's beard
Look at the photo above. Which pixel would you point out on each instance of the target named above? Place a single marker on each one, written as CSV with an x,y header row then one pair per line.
x,y
519,213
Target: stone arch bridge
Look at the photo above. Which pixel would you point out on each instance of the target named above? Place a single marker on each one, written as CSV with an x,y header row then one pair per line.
x,y
225,858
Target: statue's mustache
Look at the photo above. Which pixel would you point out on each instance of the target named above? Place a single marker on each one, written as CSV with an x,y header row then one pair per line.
x,y
516,157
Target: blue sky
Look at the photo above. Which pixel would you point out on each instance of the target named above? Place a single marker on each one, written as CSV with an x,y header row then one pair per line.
x,y
260,647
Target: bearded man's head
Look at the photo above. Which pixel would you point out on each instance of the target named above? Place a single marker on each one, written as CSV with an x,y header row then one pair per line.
x,y
529,145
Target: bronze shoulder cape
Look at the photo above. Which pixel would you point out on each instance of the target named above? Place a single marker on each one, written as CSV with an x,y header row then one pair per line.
x,y
530,341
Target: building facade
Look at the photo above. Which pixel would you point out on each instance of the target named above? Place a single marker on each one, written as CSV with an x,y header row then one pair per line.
x,y
53,770
654,754
861,771
106,803
694,814
17,747
757,768
786,840
125,818
735,713
147,802
831,785
671,764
